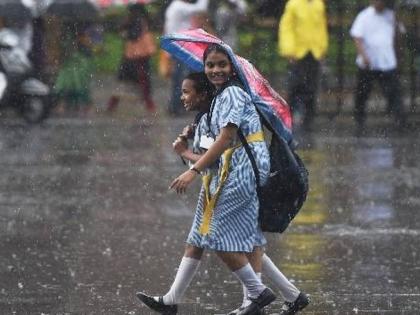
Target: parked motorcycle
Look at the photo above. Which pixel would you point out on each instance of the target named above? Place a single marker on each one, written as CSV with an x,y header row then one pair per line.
x,y
18,88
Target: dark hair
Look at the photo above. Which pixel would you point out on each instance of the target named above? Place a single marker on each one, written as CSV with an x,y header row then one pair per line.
x,y
390,4
137,9
201,83
215,48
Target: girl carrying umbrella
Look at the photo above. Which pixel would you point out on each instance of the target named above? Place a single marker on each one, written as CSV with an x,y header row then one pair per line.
x,y
227,212
197,94
221,192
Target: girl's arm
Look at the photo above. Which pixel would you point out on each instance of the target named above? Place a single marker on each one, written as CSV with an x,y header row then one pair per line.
x,y
223,142
180,146
191,156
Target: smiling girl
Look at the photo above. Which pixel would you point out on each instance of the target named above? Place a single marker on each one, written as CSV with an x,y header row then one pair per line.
x,y
196,95
226,219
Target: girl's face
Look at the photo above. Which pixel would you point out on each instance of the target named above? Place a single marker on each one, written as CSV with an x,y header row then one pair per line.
x,y
218,68
189,96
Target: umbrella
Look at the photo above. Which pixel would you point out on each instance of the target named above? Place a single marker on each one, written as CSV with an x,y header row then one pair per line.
x,y
14,9
410,3
37,7
74,9
189,46
107,3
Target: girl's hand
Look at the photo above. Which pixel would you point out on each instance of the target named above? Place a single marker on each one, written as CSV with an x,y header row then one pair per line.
x,y
181,183
180,146
188,131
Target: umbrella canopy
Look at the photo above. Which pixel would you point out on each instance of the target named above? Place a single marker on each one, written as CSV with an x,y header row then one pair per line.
x,y
14,9
38,7
410,3
107,3
189,46
74,9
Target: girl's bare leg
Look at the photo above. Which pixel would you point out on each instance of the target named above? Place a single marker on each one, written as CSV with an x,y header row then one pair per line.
x,y
238,263
255,260
193,252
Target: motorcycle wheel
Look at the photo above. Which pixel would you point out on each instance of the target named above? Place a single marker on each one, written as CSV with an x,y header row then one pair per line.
x,y
34,109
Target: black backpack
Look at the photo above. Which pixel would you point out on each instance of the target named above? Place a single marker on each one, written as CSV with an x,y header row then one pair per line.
x,y
283,195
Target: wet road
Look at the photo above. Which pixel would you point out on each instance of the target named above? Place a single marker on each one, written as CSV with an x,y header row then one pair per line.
x,y
86,220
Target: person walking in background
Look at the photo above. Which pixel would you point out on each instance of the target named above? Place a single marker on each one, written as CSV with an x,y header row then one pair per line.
x,y
303,40
227,17
374,32
138,49
73,83
178,17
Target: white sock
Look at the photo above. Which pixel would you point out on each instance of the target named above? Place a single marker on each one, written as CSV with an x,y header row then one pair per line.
x,y
246,301
250,280
287,289
186,271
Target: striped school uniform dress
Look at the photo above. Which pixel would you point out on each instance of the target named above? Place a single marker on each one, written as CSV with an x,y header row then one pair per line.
x,y
232,225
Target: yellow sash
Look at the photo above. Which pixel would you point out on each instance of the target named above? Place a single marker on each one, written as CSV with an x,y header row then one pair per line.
x,y
210,201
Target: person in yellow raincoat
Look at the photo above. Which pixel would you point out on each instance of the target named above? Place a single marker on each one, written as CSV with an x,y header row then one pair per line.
x,y
303,40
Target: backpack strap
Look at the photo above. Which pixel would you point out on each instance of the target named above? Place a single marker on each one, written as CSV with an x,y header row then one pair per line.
x,y
245,144
210,201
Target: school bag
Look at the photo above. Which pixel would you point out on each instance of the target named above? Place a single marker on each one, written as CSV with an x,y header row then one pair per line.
x,y
286,189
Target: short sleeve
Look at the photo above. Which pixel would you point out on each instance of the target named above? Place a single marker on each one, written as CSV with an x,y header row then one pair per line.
x,y
357,27
232,105
200,130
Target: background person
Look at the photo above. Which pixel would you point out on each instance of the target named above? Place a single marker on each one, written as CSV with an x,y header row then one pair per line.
x,y
73,82
139,46
226,19
377,59
303,40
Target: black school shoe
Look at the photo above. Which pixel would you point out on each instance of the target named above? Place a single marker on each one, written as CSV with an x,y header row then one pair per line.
x,y
266,297
290,308
157,306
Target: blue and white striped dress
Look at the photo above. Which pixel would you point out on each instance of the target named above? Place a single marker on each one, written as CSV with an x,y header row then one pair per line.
x,y
234,223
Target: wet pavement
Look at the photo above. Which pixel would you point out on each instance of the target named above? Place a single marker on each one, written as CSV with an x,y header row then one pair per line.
x,y
86,219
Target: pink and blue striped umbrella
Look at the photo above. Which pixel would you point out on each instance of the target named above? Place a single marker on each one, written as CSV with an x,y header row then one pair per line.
x,y
189,46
